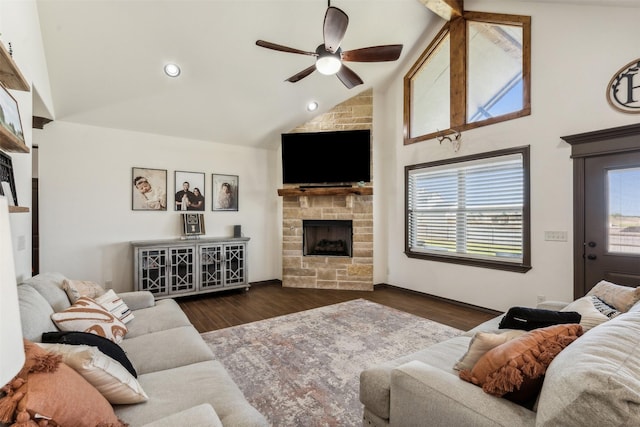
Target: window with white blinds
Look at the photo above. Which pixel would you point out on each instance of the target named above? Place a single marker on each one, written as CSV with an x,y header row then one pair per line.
x,y
472,210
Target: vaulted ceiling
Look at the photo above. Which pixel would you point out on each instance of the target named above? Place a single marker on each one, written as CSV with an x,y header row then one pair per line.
x,y
105,62
106,57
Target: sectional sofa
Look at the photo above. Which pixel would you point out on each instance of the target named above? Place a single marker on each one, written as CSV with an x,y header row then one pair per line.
x,y
594,381
184,383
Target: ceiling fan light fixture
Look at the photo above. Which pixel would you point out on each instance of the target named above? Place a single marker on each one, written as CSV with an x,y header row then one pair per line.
x,y
328,63
172,70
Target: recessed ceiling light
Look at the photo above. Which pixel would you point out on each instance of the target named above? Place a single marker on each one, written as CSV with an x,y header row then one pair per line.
x,y
172,70
312,106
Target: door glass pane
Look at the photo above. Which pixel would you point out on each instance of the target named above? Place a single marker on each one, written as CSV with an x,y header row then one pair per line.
x,y
430,93
624,210
494,73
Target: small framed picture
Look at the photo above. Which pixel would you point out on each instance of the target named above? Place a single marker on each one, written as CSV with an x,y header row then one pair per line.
x,y
193,224
7,181
189,191
149,189
225,192
10,125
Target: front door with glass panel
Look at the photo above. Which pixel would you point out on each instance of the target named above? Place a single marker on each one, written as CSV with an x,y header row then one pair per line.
x,y
612,219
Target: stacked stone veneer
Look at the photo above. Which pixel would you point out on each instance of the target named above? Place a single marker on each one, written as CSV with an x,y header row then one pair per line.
x,y
328,272
331,272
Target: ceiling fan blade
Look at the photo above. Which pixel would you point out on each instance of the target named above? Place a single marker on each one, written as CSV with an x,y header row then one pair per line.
x,y
389,52
335,26
282,48
348,77
302,74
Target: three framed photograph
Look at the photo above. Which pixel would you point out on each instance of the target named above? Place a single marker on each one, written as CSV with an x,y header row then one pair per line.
x,y
149,191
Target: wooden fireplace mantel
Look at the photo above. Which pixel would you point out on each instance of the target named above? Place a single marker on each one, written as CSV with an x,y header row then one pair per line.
x,y
326,191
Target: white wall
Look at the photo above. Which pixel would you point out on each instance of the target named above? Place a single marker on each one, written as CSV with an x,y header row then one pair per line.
x,y
86,221
575,52
19,25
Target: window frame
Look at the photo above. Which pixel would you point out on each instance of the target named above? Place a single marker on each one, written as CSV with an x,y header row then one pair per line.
x,y
457,31
521,267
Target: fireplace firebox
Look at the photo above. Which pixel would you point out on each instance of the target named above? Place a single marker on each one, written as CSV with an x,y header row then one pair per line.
x,y
327,238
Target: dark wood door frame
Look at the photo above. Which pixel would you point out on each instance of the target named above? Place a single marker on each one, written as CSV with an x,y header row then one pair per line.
x,y
589,144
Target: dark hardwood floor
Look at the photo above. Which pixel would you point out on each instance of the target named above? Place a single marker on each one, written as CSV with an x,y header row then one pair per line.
x,y
269,299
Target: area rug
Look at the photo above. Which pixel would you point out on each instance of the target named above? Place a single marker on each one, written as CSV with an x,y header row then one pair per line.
x,y
303,369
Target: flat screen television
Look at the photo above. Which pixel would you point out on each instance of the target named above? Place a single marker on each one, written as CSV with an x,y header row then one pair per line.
x,y
339,157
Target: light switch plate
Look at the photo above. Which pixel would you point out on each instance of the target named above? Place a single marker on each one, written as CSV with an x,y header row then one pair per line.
x,y
555,236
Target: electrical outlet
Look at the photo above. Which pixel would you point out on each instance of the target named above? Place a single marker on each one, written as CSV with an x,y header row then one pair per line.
x,y
555,236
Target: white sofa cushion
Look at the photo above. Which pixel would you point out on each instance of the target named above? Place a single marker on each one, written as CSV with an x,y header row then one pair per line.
x,y
167,349
35,313
165,314
184,387
199,416
49,285
594,381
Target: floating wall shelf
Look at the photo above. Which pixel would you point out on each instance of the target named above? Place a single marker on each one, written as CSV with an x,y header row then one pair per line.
x,y
17,209
326,191
10,74
11,78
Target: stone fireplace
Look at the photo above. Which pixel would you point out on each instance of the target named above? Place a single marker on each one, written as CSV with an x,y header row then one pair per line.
x,y
353,204
317,208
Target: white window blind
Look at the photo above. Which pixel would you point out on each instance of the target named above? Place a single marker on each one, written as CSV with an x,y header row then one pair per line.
x,y
471,209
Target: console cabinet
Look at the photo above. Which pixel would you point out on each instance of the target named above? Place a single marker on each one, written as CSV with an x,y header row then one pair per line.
x,y
171,268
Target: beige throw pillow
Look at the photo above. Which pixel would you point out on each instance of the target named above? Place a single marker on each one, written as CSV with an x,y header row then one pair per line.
x,y
108,376
591,316
619,297
81,288
112,302
88,316
481,343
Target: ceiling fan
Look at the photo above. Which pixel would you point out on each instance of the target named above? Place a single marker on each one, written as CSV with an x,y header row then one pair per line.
x,y
329,55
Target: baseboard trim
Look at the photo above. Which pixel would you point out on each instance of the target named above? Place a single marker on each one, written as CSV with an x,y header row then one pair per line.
x,y
443,299
266,282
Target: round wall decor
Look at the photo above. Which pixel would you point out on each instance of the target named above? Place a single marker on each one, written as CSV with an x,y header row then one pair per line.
x,y
623,91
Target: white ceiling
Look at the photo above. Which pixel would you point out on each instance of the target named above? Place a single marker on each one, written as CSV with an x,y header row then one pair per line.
x,y
105,60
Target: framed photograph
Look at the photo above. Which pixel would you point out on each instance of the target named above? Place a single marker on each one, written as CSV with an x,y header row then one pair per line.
x,y
10,125
225,192
7,181
193,224
189,191
149,189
